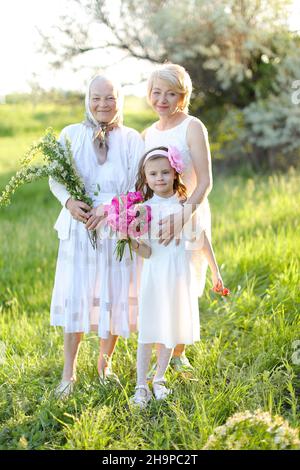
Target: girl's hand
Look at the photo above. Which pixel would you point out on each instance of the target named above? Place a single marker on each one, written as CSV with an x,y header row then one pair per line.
x,y
96,215
170,227
122,236
135,243
79,210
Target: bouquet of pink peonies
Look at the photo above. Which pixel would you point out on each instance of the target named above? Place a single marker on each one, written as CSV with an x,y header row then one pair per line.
x,y
127,216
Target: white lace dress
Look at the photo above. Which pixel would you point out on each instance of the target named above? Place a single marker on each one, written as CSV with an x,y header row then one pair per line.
x,y
92,290
168,297
202,218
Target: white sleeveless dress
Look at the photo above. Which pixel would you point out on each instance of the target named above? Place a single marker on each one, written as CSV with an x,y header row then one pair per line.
x,y
168,296
202,217
92,290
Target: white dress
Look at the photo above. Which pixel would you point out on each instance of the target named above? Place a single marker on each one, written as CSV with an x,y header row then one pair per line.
x,y
92,290
168,297
202,217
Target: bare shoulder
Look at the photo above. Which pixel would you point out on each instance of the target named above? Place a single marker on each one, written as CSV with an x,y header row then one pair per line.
x,y
144,132
196,129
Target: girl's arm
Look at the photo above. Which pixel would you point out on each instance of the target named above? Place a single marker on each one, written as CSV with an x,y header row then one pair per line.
x,y
210,256
141,248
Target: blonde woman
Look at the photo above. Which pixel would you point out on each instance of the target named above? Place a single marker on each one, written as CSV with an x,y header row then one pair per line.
x,y
169,92
92,290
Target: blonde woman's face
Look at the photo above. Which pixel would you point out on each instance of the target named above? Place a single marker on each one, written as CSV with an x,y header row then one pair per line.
x,y
164,100
103,101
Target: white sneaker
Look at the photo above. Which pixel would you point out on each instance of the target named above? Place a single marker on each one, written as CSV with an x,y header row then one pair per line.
x,y
141,397
161,392
64,389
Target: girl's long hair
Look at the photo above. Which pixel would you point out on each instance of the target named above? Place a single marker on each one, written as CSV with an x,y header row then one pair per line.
x,y
141,184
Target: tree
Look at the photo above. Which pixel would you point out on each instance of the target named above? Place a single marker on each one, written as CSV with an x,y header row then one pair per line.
x,y
234,50
272,123
223,43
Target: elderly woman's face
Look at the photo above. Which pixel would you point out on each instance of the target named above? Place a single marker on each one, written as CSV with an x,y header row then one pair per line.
x,y
103,101
164,100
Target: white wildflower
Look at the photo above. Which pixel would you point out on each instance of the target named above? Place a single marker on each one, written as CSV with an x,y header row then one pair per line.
x,y
239,432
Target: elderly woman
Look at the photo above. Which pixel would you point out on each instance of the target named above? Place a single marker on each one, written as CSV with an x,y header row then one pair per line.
x,y
92,290
169,91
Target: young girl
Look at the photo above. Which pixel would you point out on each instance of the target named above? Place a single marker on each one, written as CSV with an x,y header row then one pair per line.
x,y
168,299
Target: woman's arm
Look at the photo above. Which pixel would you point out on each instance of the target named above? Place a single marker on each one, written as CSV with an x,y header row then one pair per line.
x,y
59,191
141,248
197,140
208,251
78,209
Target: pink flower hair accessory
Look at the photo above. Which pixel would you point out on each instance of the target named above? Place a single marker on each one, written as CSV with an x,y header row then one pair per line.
x,y
173,155
175,159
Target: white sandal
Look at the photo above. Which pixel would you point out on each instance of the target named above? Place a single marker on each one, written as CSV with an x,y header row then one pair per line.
x,y
64,389
141,397
160,390
109,378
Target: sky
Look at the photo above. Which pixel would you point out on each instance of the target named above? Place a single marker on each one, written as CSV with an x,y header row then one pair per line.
x,y
21,63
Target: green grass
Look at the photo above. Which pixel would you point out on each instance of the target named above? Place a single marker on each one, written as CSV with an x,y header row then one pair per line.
x,y
244,360
16,119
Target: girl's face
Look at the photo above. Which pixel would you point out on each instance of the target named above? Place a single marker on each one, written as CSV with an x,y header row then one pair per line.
x,y
160,176
164,100
103,101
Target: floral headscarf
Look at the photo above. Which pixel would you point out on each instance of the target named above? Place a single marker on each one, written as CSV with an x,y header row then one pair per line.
x,y
101,129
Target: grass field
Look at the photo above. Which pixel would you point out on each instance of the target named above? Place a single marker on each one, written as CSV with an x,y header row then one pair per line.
x,y
247,359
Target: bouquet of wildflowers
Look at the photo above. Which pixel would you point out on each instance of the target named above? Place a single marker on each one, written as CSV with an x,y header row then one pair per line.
x,y
127,216
57,162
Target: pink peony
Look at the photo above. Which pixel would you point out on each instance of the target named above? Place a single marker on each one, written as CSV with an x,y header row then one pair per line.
x,y
175,159
127,216
139,225
116,204
134,198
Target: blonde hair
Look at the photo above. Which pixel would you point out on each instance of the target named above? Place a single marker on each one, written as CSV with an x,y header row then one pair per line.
x,y
118,119
141,184
179,81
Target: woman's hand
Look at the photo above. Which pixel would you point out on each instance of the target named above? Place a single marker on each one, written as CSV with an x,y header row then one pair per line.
x,y
170,227
218,285
79,209
96,215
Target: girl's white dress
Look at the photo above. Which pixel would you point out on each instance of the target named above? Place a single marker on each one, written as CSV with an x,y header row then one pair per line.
x,y
168,297
202,217
92,290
